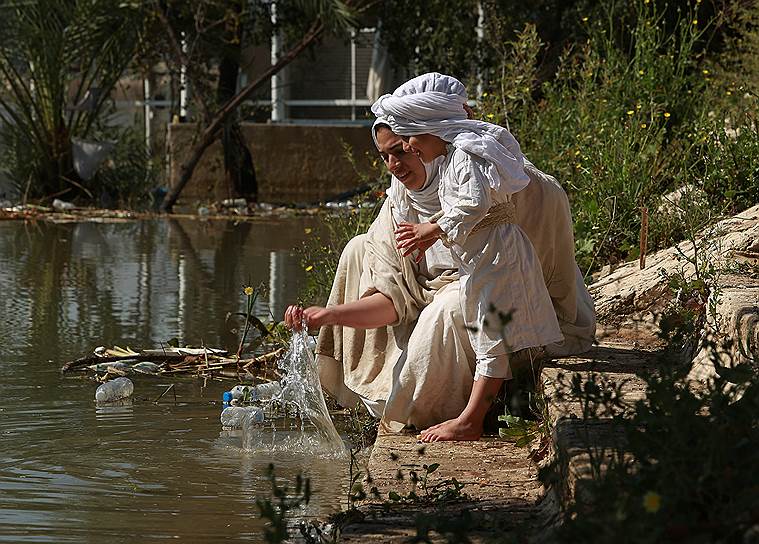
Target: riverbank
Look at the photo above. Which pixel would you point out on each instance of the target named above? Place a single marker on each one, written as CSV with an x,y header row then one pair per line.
x,y
241,212
519,494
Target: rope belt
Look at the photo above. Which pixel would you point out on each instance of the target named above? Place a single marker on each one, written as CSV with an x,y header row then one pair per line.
x,y
500,214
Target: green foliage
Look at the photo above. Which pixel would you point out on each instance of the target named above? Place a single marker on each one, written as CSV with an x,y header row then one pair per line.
x,y
689,465
275,510
728,162
412,33
680,463
518,429
448,490
624,120
52,54
130,173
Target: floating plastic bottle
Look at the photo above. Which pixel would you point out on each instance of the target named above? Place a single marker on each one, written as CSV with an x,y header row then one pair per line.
x,y
234,416
256,393
120,388
253,427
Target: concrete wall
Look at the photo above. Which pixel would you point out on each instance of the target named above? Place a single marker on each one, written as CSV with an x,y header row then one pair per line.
x,y
298,164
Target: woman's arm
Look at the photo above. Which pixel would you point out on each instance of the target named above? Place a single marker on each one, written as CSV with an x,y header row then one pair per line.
x,y
370,312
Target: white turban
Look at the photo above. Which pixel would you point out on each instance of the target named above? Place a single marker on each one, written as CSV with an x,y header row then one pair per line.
x,y
434,104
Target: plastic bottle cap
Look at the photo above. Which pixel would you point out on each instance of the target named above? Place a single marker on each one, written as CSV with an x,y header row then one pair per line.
x,y
226,397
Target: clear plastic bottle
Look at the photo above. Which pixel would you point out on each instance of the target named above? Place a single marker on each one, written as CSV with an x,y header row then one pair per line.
x,y
253,435
255,393
120,388
234,416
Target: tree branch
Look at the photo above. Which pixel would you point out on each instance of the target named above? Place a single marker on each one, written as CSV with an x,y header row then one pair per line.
x,y
210,134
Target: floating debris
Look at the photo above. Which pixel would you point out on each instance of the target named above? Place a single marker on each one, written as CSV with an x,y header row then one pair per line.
x,y
201,362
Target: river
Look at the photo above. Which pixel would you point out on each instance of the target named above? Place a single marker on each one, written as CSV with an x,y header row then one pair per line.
x,y
71,472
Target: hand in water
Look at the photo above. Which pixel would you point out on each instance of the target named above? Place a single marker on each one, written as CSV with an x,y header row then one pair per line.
x,y
411,237
314,316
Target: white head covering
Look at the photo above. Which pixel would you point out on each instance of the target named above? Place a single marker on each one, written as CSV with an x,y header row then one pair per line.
x,y
434,104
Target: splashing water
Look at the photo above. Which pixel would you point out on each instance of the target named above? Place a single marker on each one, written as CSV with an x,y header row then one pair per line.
x,y
297,417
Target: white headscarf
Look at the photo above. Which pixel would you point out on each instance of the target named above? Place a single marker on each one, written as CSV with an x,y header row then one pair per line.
x,y
434,104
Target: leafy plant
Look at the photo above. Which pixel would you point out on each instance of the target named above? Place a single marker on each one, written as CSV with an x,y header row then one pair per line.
x,y
59,62
275,510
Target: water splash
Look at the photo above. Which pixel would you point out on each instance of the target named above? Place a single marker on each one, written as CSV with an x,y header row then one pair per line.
x,y
297,417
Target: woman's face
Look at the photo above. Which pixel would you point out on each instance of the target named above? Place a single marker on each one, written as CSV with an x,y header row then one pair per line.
x,y
425,146
402,164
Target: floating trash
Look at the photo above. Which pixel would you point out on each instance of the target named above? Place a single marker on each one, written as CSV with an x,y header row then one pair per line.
x,y
201,362
114,390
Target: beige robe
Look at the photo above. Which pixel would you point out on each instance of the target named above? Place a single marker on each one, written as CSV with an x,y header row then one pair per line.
x,y
422,367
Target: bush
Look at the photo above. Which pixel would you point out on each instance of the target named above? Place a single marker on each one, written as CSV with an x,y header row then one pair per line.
x,y
625,119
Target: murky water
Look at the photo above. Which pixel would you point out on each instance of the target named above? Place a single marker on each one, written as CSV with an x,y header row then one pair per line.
x,y
147,472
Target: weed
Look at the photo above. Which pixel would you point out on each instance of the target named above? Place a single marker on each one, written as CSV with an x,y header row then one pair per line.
x,y
275,510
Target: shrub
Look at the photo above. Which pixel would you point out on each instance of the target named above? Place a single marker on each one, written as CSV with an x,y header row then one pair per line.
x,y
624,120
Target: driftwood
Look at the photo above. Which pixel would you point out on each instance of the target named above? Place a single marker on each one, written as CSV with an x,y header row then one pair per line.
x,y
204,364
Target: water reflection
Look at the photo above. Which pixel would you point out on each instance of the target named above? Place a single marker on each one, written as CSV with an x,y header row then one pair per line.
x,y
74,472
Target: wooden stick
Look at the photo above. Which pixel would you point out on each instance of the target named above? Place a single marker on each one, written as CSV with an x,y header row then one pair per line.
x,y
169,388
643,236
95,359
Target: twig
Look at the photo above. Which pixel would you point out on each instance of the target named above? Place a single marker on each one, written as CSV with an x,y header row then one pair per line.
x,y
169,388
606,235
643,236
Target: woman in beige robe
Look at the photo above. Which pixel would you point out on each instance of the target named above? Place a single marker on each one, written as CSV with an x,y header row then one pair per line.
x,y
417,370
393,335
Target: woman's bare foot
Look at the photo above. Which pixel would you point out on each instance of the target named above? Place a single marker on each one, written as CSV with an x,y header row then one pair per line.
x,y
453,429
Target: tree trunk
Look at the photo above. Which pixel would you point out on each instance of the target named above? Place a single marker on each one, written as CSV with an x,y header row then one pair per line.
x,y
239,173
210,134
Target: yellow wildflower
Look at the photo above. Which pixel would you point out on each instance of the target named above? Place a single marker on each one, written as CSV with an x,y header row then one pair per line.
x,y
728,93
584,19
248,291
643,125
309,268
308,230
490,116
695,21
484,94
666,115
705,72
651,502
640,72
630,112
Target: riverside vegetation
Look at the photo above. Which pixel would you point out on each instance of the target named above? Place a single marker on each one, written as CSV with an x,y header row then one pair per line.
x,y
643,105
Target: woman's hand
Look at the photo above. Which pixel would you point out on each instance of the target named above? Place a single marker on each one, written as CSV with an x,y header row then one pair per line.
x,y
314,317
411,237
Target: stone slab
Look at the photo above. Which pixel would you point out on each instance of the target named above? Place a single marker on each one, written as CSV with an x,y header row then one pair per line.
x,y
500,480
629,300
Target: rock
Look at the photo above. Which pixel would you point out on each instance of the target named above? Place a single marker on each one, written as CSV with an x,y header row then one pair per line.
x,y
732,330
677,202
636,298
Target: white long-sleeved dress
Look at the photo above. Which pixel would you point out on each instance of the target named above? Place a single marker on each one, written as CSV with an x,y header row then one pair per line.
x,y
499,270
